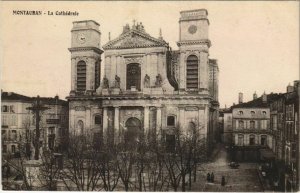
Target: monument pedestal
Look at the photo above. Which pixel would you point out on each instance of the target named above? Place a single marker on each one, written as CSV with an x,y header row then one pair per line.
x,y
115,91
105,91
147,90
156,90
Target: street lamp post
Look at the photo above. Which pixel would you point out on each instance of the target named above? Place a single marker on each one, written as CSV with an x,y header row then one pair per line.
x,y
36,109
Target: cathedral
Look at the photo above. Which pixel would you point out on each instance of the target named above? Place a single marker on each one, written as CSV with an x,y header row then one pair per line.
x,y
146,86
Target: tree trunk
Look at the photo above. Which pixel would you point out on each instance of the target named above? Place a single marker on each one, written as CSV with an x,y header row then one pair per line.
x,y
195,172
183,183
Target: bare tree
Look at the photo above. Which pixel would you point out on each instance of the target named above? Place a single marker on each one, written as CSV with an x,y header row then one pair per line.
x,y
109,167
82,168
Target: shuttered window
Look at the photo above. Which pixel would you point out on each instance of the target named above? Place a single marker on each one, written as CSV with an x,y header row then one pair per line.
x,y
192,72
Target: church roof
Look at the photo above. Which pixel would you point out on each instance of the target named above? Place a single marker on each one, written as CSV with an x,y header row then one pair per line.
x,y
135,37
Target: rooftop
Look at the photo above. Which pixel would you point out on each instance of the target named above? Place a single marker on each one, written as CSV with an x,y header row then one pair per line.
x,y
11,96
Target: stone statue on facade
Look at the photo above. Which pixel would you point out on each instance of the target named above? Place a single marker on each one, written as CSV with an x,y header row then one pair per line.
x,y
117,81
158,81
105,83
147,81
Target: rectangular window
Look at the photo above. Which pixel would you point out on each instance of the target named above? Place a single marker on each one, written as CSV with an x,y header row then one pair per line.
x,y
14,135
240,140
14,120
51,130
4,108
252,140
4,148
252,124
13,149
4,120
263,140
171,121
12,109
4,134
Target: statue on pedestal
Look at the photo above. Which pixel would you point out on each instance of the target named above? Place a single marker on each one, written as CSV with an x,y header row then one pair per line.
x,y
147,81
105,83
158,81
117,81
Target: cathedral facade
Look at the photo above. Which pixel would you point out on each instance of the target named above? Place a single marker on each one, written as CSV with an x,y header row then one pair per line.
x,y
146,86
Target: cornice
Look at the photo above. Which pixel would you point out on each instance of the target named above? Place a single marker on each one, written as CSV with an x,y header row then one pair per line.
x,y
194,42
137,97
78,49
158,43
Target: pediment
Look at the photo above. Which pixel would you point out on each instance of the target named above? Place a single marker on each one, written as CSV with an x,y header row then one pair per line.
x,y
134,39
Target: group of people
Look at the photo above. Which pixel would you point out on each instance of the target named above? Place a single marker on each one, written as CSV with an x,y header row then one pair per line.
x,y
211,177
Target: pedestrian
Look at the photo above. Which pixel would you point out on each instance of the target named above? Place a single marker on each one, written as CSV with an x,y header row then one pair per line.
x,y
208,177
212,177
223,181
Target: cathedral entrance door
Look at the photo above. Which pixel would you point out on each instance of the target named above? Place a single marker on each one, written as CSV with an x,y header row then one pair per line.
x,y
133,132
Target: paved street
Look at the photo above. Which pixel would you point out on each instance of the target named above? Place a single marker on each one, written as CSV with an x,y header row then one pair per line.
x,y
243,179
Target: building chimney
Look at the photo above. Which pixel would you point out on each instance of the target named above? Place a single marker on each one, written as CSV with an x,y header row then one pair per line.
x,y
289,88
240,98
296,83
254,96
264,97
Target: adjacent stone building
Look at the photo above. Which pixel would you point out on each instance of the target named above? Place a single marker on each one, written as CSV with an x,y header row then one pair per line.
x,y
18,123
285,128
146,86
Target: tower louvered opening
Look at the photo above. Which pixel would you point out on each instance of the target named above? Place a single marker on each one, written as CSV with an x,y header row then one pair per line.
x,y
192,72
81,76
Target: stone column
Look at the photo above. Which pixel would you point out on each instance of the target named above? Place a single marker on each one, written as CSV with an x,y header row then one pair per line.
x,y
73,74
116,124
206,118
105,125
158,120
181,118
182,71
146,120
204,70
112,71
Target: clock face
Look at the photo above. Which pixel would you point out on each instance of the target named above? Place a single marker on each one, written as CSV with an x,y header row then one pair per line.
x,y
192,29
81,38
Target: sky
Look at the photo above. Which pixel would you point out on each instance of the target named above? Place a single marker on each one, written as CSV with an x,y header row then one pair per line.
x,y
256,43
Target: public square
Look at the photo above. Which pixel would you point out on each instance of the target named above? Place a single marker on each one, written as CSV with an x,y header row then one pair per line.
x,y
243,179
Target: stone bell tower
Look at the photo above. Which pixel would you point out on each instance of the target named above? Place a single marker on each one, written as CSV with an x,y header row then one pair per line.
x,y
194,48
86,57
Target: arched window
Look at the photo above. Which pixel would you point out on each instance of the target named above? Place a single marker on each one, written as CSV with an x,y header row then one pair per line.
x,y
133,76
171,120
192,72
98,120
81,76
